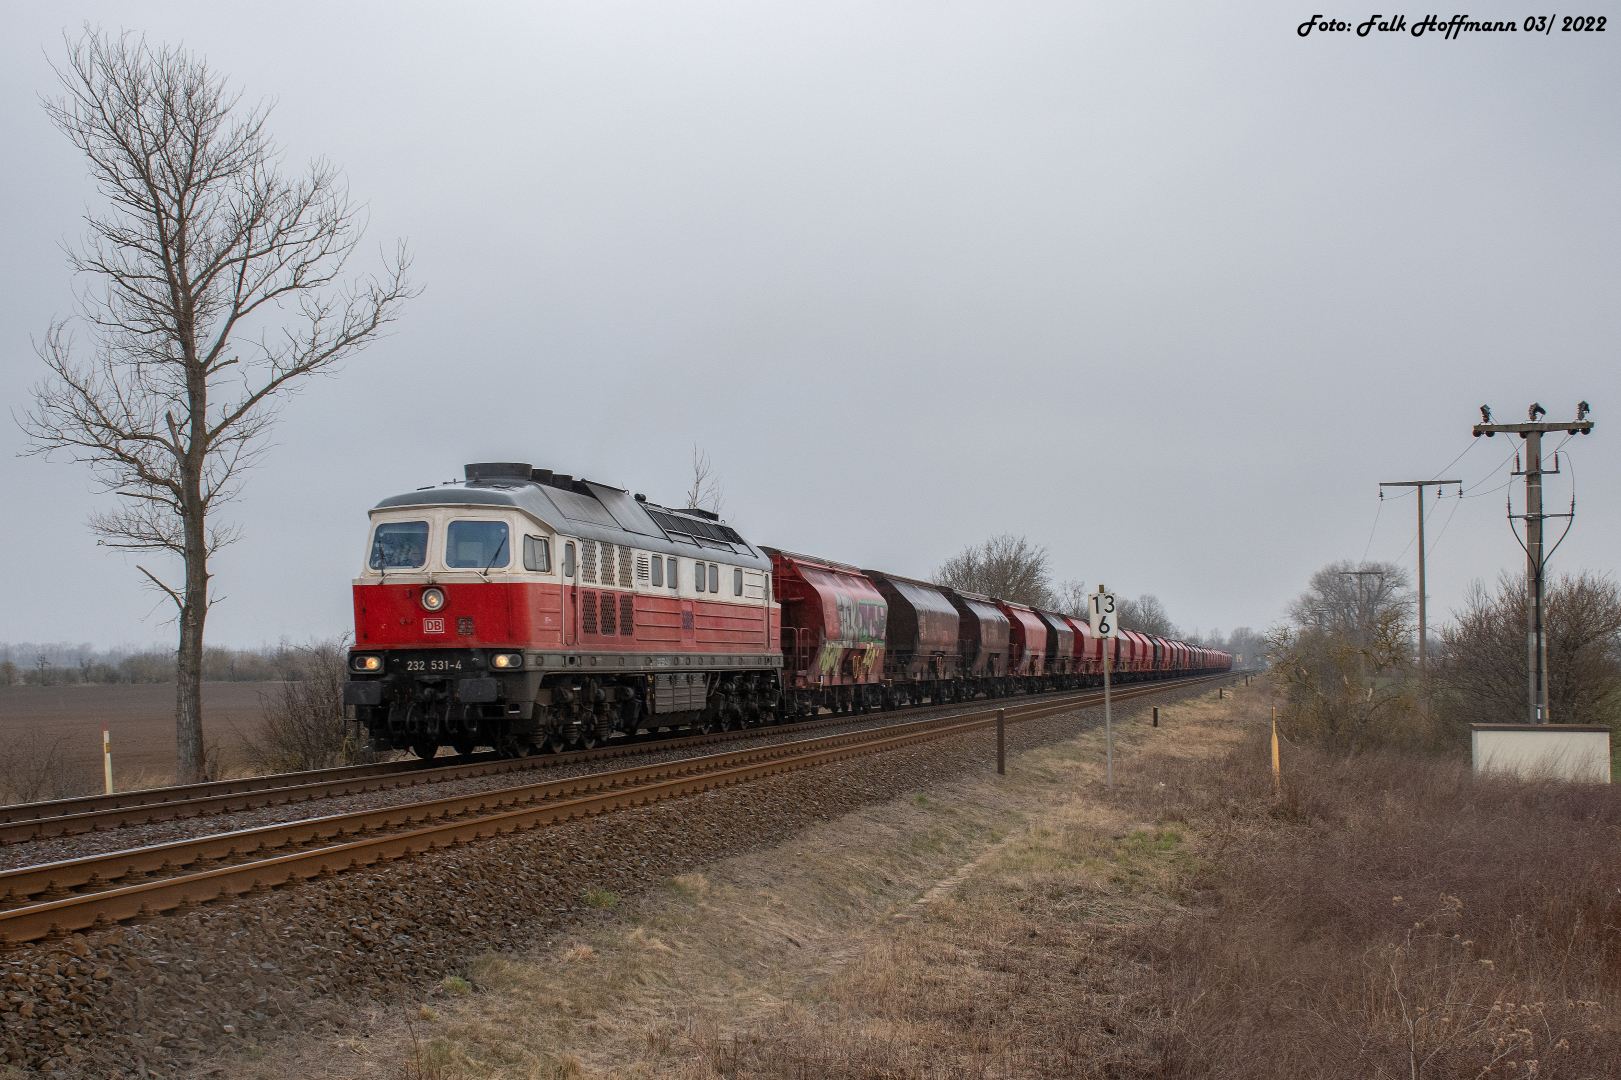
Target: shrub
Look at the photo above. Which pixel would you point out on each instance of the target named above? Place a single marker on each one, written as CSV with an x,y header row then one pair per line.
x,y
303,724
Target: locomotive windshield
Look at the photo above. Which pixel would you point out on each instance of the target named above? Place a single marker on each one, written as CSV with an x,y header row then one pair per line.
x,y
399,545
477,545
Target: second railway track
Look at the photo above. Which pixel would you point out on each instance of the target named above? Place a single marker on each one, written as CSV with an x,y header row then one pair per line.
x,y
100,891
24,822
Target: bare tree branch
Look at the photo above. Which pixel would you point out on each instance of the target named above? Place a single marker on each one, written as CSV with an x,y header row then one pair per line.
x,y
705,492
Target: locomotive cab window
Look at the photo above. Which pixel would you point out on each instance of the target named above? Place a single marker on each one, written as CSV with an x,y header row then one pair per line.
x,y
399,545
714,578
477,545
658,571
737,581
537,554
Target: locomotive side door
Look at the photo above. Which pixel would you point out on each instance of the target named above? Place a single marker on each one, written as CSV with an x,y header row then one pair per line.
x,y
570,592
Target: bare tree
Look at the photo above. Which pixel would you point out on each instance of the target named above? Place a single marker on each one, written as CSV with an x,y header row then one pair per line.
x,y
213,293
1147,615
1480,675
1347,688
705,492
1345,665
1007,567
1069,598
1345,597
1247,647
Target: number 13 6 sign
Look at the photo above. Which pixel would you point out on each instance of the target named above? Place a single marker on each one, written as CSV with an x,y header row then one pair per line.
x,y
1102,611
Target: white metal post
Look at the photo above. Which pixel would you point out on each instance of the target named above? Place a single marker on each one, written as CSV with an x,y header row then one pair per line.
x,y
1108,727
107,757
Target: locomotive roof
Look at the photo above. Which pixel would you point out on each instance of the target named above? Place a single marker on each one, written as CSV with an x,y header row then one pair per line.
x,y
593,511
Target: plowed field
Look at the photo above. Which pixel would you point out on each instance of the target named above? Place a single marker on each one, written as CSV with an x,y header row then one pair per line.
x,y
140,717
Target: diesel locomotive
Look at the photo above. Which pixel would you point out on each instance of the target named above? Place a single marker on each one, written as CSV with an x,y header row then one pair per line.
x,y
523,610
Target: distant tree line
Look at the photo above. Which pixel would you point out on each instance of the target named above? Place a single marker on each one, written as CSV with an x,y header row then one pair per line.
x,y
1013,568
1346,658
66,664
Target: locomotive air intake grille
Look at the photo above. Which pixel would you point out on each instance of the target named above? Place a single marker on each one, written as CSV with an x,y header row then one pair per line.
x,y
588,612
627,614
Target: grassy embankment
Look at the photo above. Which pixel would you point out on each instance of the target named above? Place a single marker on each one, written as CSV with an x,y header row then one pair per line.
x,y
1383,916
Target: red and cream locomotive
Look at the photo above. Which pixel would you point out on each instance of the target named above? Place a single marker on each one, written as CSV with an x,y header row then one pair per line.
x,y
523,609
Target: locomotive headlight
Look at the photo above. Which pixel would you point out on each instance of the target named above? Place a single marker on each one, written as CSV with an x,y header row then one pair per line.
x,y
432,599
507,661
366,663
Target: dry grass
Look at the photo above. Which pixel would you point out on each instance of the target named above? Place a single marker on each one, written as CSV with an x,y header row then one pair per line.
x,y
1387,916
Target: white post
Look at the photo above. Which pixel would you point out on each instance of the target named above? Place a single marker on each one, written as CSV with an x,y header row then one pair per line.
x,y
1105,630
1108,727
107,757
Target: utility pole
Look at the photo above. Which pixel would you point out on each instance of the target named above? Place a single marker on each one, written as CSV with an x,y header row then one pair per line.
x,y
1423,623
1536,559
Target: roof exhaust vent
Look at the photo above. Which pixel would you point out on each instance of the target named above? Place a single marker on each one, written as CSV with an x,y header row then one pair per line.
x,y
562,480
541,476
497,470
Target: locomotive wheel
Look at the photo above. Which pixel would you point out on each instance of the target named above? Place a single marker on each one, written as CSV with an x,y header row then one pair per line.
x,y
588,740
425,750
557,745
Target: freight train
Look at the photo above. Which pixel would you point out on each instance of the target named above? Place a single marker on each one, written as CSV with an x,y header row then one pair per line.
x,y
524,610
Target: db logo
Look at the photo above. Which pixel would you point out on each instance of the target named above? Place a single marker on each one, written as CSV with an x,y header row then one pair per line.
x,y
433,626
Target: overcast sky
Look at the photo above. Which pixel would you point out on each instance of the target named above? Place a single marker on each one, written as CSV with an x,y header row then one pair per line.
x,y
1165,287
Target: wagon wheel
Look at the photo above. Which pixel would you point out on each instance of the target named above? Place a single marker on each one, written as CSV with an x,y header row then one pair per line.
x,y
463,747
425,750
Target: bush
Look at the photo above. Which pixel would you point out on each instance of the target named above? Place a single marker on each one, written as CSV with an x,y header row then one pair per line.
x,y
303,725
1481,676
32,771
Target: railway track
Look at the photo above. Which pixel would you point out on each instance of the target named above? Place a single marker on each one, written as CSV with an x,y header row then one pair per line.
x,y
24,822
99,891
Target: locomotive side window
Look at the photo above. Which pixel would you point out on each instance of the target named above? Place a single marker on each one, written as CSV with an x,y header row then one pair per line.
x,y
399,545
658,571
737,581
568,559
477,545
537,554
714,578
674,582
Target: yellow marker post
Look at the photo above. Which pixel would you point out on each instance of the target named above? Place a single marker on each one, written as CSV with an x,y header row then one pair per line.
x,y
1277,774
107,757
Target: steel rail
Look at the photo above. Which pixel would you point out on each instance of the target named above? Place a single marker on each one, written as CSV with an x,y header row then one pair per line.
x,y
69,817
57,879
105,906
